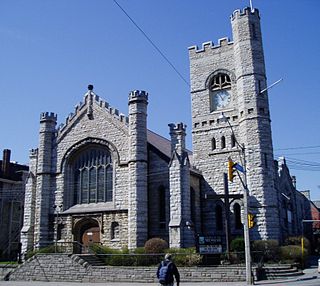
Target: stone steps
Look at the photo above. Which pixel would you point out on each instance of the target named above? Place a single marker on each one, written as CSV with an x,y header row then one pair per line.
x,y
272,272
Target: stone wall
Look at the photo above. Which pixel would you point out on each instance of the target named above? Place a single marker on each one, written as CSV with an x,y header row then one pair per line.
x,y
5,270
64,267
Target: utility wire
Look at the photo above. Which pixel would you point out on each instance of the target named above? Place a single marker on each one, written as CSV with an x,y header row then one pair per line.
x,y
152,43
298,148
295,154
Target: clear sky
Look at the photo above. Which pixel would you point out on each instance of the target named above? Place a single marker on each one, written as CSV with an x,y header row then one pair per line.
x,y
52,49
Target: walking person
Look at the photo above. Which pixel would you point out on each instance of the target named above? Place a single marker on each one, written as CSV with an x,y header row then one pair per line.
x,y
166,270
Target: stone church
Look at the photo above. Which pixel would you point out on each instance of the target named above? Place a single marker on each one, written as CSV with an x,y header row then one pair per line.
x,y
105,177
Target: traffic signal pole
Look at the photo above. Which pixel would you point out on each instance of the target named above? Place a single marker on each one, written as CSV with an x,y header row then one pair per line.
x,y
235,167
246,223
227,212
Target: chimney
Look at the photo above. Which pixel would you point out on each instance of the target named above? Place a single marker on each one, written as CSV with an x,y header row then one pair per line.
x,y
6,162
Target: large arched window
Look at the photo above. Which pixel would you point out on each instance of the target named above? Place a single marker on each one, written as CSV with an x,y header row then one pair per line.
x,y
162,206
219,218
220,91
93,175
193,204
237,216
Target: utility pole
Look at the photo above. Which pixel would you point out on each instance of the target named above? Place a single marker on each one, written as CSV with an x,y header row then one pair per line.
x,y
227,211
242,169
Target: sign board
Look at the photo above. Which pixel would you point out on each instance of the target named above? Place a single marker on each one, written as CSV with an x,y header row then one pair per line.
x,y
210,244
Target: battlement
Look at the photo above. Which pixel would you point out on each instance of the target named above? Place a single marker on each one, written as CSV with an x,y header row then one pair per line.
x,y
33,152
90,95
245,12
210,45
48,116
138,94
178,127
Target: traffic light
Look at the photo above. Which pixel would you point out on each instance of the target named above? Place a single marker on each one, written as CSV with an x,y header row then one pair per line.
x,y
251,222
231,170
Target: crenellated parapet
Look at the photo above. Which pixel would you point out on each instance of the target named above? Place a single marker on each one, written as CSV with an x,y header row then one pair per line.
x,y
245,12
138,95
206,46
89,98
48,116
33,152
178,127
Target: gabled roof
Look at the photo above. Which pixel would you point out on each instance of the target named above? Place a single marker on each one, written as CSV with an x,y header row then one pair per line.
x,y
162,144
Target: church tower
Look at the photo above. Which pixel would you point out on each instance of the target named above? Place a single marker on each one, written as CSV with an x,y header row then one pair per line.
x,y
226,82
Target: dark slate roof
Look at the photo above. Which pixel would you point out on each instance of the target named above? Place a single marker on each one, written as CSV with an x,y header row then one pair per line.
x,y
317,204
14,171
161,143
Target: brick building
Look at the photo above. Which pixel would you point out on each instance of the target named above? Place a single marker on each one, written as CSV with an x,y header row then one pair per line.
x,y
104,177
12,186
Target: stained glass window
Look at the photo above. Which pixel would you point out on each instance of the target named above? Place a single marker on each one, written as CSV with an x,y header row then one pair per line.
x,y
93,176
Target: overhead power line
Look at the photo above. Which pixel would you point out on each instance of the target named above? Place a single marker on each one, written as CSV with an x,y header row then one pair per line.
x,y
298,148
152,43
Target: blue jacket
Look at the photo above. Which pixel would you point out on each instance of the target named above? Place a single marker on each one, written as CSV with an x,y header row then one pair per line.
x,y
172,271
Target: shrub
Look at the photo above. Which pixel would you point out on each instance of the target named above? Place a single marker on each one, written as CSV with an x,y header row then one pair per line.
x,y
237,244
296,240
185,256
155,245
291,254
268,250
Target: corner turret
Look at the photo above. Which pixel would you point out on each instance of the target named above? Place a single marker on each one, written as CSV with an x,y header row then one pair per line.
x,y
138,168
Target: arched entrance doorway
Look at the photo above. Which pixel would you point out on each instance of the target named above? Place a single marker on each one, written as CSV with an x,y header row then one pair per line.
x,y
87,233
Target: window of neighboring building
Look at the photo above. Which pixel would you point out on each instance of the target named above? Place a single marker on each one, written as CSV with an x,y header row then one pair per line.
x,y
93,176
237,216
219,218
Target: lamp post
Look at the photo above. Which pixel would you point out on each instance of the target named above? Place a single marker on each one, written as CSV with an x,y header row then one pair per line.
x,y
57,210
245,203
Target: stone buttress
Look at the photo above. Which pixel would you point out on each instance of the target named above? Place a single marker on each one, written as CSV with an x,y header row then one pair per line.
x,y
179,176
44,176
27,232
138,170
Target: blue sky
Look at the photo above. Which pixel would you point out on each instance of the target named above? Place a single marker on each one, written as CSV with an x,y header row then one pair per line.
x,y
52,49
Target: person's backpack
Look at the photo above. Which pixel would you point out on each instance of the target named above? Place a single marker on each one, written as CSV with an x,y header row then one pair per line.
x,y
164,272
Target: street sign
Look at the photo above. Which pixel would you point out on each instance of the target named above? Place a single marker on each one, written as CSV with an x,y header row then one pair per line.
x,y
238,167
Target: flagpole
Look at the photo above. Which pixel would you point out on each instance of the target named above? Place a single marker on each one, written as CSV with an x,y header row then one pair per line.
x,y
251,5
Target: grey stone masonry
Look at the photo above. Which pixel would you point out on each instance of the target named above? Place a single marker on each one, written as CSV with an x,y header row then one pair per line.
x,y
44,174
64,267
248,125
27,231
254,126
138,170
180,207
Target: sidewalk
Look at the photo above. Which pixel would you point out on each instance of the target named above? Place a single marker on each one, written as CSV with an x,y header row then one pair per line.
x,y
309,273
